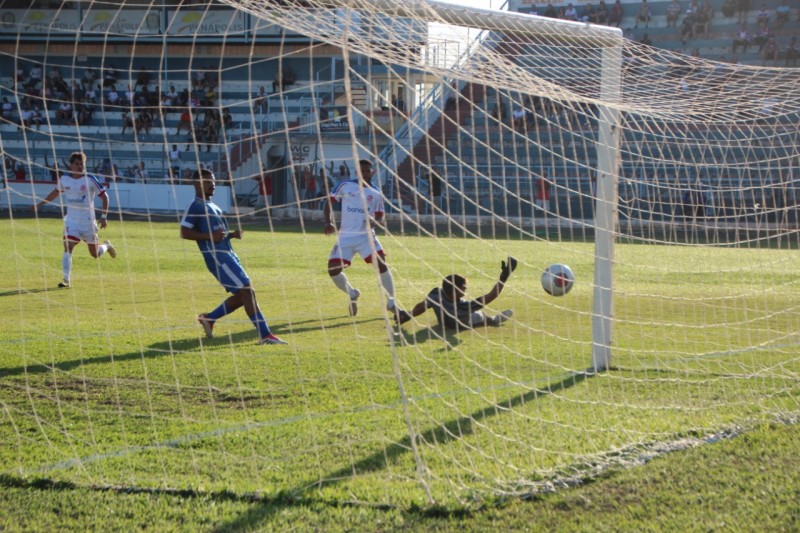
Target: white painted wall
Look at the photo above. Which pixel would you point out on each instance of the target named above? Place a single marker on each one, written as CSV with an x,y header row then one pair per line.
x,y
123,197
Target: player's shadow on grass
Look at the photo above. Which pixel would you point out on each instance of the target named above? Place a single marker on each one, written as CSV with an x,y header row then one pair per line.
x,y
432,333
17,292
165,348
449,431
158,349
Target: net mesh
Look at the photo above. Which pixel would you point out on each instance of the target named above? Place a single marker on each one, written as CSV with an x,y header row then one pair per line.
x,y
493,134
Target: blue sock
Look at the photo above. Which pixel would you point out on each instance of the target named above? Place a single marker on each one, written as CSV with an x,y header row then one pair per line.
x,y
219,312
260,323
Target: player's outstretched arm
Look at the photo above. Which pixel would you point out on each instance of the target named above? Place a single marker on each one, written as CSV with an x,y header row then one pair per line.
x,y
404,316
506,268
47,199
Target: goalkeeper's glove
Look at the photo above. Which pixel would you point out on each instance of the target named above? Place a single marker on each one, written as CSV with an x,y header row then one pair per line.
x,y
507,268
401,316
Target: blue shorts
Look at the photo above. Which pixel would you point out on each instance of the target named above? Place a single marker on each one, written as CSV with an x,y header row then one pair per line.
x,y
228,270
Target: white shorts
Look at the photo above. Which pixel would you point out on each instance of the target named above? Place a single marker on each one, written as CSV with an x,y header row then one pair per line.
x,y
80,230
347,246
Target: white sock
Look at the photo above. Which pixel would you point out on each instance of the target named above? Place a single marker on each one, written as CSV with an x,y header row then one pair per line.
x,y
340,280
388,285
66,265
101,250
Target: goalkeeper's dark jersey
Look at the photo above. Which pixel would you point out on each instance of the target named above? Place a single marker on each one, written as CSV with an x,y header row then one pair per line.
x,y
447,312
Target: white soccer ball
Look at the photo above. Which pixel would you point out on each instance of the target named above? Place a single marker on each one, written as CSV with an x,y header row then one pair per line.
x,y
557,279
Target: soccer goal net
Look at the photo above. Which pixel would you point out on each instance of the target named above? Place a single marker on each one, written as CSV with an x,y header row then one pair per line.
x,y
667,183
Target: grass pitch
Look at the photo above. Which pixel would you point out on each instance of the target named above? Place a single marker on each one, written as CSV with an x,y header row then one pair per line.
x,y
109,391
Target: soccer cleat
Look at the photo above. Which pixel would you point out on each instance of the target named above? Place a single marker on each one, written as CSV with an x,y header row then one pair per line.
x,y
353,309
272,339
64,284
110,249
502,317
208,325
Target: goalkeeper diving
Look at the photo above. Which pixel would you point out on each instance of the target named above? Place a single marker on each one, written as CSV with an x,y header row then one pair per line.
x,y
453,311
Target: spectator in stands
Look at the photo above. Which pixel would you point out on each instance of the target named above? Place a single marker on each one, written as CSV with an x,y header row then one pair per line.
x,y
615,18
175,160
165,106
85,111
674,11
7,110
643,15
91,94
550,11
140,173
570,13
260,100
56,81
646,40
144,121
589,14
173,95
763,33
227,119
763,14
110,76
543,192
792,52
211,130
64,111
107,171
601,13
143,77
769,52
741,40
20,174
112,97
264,187
8,163
728,8
25,117
704,16
325,184
694,202
77,93
210,97
197,97
435,185
19,75
687,27
742,8
36,116
285,77
127,122
89,77
198,79
344,172
35,76
782,13
185,122
128,97
183,98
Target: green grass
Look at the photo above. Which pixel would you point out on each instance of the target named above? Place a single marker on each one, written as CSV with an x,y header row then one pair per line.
x,y
116,411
